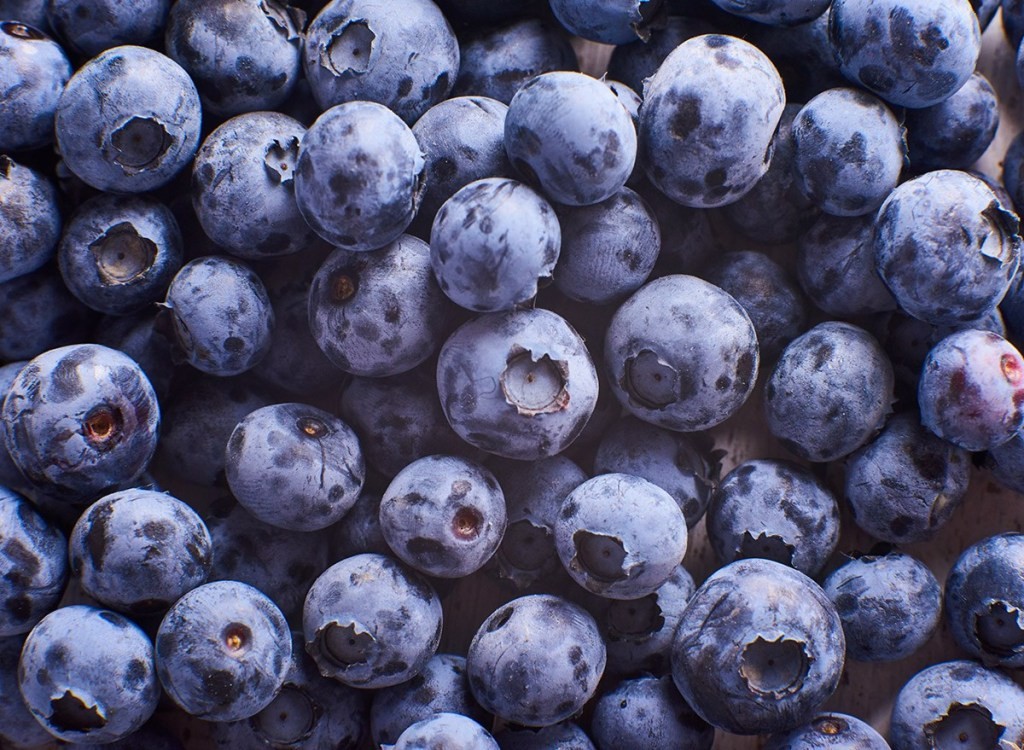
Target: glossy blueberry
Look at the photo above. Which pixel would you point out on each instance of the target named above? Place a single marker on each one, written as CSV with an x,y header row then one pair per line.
x,y
773,638
633,63
958,702
448,730
647,712
681,353
829,731
492,243
956,132
243,186
830,392
359,176
401,54
371,622
359,531
803,56
565,735
905,484
946,247
912,53
95,687
518,384
607,21
693,146
128,120
568,133
223,651
443,515
30,219
20,730
971,390
33,73
89,27
890,605
38,313
536,660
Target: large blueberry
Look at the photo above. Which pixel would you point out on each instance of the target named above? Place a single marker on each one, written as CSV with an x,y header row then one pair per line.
x,y
30,219
648,712
956,132
33,73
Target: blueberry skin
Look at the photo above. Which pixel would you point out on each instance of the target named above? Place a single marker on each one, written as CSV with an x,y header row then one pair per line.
x,y
33,565
371,622
38,313
33,73
905,484
442,687
81,418
957,701
568,133
608,249
890,605
496,62
443,515
956,132
118,254
694,145
829,731
776,12
492,243
359,176
20,728
89,27
946,247
223,651
96,687
243,55
971,390
681,354
536,660
648,712
295,466
403,55
849,150
519,384
830,392
378,313
776,510
128,120
634,62
222,315
774,639
1006,463
920,57
30,219
447,730
607,21
243,186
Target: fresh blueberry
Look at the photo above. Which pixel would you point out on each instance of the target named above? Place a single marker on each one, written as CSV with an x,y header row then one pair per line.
x,y
38,313
565,735
648,712
608,21
30,219
451,731
829,731
637,61
20,730
955,133
803,56
91,26
33,73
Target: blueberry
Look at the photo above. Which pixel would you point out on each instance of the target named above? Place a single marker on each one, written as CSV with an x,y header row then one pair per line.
x,y
20,728
955,133
803,56
359,531
565,735
536,660
89,27
95,687
10,475
38,313
708,119
128,120
452,731
634,62
33,73
688,240
608,21
30,219
223,651
829,731
1006,462
648,712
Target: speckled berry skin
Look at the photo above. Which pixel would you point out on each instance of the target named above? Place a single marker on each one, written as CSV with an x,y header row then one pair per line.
x,y
295,466
607,21
830,392
946,247
971,390
33,73
568,133
890,605
222,315
905,484
95,687
20,730
30,219
536,660
378,313
403,55
912,53
695,145
89,27
776,12
138,551
519,384
957,701
448,730
118,254
223,651
646,712
829,731
565,735
849,151
681,353
80,419
128,120
33,565
359,176
39,313
243,186
777,510
371,622
492,243
774,639
956,132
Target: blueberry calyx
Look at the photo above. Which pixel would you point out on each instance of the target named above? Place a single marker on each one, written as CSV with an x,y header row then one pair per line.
x,y
280,159
73,714
534,385
1000,631
650,381
102,427
999,245
344,286
349,50
285,18
600,556
774,668
768,546
527,546
140,144
467,523
21,31
289,719
122,254
312,427
830,726
236,638
968,726
634,619
345,645
6,163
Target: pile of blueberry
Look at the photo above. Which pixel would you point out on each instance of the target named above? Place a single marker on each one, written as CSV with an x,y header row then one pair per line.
x,y
333,329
